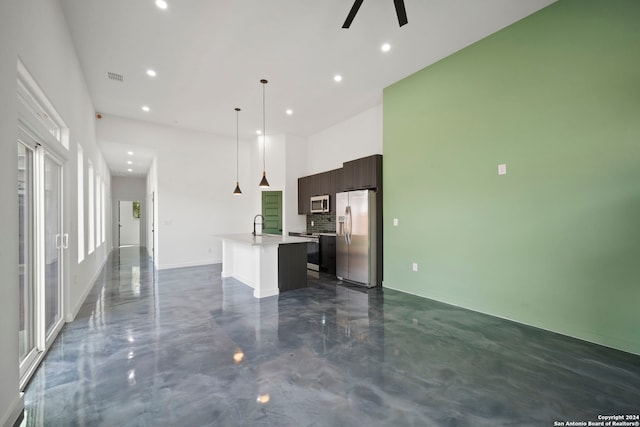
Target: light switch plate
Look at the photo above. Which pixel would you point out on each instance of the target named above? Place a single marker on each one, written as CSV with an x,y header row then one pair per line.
x,y
415,266
502,169
395,222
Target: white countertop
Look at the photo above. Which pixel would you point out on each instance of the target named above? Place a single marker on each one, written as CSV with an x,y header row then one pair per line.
x,y
263,239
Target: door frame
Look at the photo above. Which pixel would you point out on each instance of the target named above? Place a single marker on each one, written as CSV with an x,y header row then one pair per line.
x,y
42,341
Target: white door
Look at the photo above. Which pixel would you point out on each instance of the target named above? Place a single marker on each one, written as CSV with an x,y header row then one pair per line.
x,y
129,223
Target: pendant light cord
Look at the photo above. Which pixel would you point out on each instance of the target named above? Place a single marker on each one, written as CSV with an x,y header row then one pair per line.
x,y
237,150
264,129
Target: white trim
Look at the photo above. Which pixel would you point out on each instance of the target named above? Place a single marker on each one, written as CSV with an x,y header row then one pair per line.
x,y
41,108
14,412
189,264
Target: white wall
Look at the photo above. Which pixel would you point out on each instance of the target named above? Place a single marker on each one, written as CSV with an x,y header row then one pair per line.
x,y
129,189
46,49
10,400
296,165
36,32
195,177
359,136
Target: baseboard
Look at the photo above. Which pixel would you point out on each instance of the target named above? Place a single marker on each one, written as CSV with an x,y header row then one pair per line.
x,y
190,264
15,412
71,315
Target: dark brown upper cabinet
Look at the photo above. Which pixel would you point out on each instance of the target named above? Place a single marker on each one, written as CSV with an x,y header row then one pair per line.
x,y
304,195
363,173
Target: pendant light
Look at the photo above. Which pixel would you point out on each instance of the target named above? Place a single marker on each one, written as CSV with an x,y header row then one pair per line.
x,y
237,191
263,182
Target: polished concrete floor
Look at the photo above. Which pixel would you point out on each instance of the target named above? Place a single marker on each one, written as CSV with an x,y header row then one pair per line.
x,y
185,348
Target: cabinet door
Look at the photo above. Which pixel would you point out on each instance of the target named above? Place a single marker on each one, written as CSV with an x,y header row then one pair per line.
x,y
339,183
303,195
351,174
371,171
328,254
332,190
324,183
363,173
314,185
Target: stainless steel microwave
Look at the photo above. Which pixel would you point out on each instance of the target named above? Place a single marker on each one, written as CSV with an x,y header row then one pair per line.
x,y
320,204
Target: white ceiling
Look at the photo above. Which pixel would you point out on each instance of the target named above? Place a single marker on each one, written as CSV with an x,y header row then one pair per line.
x,y
211,54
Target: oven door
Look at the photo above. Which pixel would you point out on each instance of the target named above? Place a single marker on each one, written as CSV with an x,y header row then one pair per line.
x,y
313,255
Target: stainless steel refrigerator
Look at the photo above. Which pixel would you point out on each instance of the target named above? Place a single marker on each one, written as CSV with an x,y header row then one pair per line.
x,y
356,237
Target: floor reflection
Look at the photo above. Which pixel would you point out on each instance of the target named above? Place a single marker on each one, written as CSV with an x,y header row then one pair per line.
x,y
185,347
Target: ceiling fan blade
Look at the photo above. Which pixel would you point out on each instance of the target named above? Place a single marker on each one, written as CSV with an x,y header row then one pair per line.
x,y
352,13
401,12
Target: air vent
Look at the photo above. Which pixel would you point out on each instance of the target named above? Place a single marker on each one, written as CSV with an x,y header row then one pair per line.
x,y
115,76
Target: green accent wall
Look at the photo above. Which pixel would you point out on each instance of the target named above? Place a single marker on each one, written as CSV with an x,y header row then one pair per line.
x,y
555,243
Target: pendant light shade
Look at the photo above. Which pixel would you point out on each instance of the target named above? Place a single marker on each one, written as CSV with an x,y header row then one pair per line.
x,y
237,191
263,182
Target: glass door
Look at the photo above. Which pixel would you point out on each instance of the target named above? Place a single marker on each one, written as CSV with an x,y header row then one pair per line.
x,y
41,244
26,265
54,242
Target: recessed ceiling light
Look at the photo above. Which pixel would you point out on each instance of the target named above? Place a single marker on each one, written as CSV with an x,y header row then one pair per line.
x,y
289,112
337,78
129,170
129,162
161,4
130,153
151,73
258,132
385,47
145,108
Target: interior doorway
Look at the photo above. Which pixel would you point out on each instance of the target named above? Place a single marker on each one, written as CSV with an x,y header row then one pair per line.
x,y
272,212
129,223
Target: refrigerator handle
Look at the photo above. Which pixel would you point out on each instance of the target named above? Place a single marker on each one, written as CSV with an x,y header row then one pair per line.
x,y
349,225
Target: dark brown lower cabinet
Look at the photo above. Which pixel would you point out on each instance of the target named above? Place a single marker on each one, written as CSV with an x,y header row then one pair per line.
x,y
328,254
292,266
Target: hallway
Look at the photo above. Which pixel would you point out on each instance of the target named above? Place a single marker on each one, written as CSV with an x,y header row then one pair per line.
x,y
185,348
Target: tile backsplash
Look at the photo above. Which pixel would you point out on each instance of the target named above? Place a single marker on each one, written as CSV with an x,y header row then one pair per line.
x,y
322,223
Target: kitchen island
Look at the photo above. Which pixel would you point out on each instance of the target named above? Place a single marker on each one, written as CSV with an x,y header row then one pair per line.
x,y
269,263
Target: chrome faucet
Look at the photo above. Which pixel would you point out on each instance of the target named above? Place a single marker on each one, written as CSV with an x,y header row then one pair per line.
x,y
254,223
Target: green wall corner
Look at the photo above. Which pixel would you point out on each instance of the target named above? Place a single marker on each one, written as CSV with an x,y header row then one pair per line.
x,y
554,243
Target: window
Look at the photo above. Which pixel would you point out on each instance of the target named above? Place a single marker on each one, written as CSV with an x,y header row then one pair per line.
x,y
104,211
91,210
80,205
39,107
98,212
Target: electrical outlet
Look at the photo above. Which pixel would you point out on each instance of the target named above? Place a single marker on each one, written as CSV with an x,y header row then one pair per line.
x,y
415,266
312,223
395,222
502,169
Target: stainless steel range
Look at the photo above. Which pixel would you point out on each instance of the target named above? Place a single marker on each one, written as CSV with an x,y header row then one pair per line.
x,y
313,252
